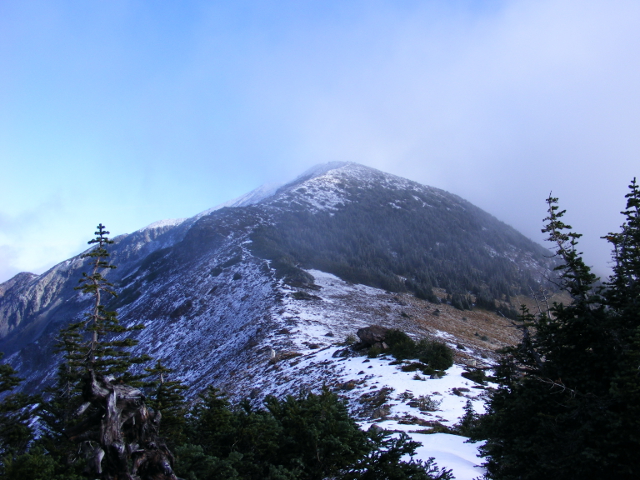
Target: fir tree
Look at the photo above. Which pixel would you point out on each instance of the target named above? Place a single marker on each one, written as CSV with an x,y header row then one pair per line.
x,y
15,432
309,436
167,397
622,295
385,460
95,417
87,345
568,405
105,352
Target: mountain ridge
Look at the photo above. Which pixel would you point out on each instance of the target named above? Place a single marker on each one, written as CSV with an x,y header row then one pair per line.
x,y
262,296
219,272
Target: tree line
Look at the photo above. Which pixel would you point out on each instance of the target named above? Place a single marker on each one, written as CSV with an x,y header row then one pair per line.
x,y
389,239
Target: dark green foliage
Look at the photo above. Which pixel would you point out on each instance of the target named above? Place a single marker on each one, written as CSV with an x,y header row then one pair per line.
x,y
167,397
622,295
310,436
96,344
568,405
102,351
305,437
461,302
449,244
469,421
286,267
485,301
37,465
302,295
401,345
414,366
194,464
435,354
374,351
385,461
318,433
8,377
15,433
475,375
211,423
422,290
507,311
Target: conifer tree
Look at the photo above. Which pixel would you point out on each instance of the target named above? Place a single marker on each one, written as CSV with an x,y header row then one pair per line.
x,y
622,295
167,397
568,405
88,345
15,432
103,351
623,292
95,407
310,436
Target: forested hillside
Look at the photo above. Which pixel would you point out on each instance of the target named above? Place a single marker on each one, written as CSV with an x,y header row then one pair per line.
x,y
401,236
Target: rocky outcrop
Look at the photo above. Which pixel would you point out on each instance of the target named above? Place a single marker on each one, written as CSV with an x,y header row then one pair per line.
x,y
373,336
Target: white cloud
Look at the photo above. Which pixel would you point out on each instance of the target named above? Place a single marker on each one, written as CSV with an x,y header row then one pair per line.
x,y
499,102
500,107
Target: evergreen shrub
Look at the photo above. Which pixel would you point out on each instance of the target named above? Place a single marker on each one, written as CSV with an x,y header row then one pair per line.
x,y
476,375
435,355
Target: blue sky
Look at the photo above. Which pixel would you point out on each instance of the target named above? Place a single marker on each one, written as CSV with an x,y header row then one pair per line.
x,y
128,112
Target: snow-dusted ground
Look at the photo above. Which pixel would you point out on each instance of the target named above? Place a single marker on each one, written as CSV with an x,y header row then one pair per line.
x,y
363,379
451,451
301,347
378,392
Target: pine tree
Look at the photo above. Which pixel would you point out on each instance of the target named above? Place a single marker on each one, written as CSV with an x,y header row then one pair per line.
x,y
103,351
309,436
167,397
623,292
622,295
95,407
387,460
87,345
15,432
568,405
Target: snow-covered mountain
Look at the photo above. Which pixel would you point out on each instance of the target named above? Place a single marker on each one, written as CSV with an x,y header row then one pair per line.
x,y
256,297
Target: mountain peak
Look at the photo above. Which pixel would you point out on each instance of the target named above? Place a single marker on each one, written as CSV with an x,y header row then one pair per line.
x,y
344,171
321,169
324,176
257,298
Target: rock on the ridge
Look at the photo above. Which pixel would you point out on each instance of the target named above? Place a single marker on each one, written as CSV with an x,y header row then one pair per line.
x,y
369,336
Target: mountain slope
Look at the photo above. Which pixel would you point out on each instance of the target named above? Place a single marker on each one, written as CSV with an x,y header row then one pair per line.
x,y
258,296
213,290
374,228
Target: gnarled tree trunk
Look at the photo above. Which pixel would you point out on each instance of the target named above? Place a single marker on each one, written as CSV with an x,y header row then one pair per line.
x,y
118,434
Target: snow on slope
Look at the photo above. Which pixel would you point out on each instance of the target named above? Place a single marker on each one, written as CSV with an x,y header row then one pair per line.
x,y
365,378
243,330
254,196
327,187
307,352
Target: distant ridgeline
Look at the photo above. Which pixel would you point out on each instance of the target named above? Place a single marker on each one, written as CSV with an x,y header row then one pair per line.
x,y
404,239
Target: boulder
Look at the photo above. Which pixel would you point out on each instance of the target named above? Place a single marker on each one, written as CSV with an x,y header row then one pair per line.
x,y
369,336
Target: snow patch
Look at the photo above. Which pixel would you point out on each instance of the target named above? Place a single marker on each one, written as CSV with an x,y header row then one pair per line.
x,y
172,222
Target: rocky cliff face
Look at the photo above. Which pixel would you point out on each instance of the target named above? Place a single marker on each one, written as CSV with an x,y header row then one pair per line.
x,y
283,273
